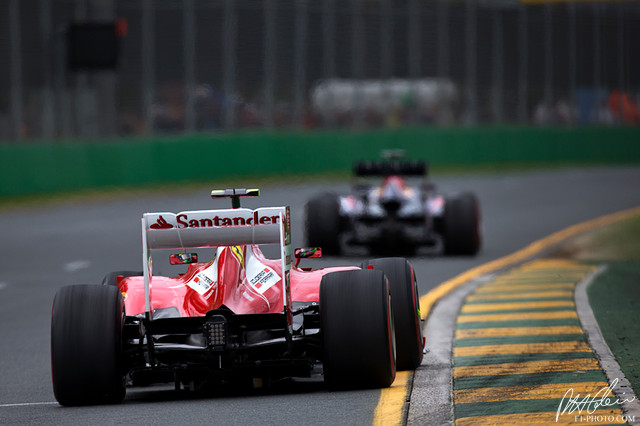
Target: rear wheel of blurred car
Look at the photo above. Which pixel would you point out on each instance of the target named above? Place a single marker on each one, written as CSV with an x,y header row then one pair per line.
x,y
406,309
322,223
357,329
112,277
461,225
86,345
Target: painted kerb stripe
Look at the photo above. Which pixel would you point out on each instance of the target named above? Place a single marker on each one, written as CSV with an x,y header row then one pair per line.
x,y
524,387
526,367
517,331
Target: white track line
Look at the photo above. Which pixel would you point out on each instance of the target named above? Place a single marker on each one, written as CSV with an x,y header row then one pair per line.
x,y
76,265
27,404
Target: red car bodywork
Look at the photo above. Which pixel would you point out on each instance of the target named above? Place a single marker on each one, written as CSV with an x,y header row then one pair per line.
x,y
232,289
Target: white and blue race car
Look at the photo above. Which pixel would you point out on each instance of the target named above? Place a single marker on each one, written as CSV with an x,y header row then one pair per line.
x,y
394,216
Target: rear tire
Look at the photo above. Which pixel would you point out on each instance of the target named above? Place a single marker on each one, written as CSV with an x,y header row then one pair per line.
x,y
461,225
406,309
322,223
357,329
112,277
86,345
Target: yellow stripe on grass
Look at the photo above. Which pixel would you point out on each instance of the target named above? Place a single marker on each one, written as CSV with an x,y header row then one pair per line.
x,y
522,348
527,367
522,278
517,331
515,306
518,316
611,416
527,278
553,264
508,288
519,295
517,393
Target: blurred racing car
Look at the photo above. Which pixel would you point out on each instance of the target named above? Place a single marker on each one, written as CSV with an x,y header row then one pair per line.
x,y
236,318
394,216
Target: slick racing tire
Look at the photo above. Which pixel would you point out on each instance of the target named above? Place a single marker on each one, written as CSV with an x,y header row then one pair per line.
x,y
406,309
112,277
86,345
322,223
461,225
357,330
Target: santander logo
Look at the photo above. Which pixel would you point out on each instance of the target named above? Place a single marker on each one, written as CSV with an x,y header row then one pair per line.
x,y
161,223
200,221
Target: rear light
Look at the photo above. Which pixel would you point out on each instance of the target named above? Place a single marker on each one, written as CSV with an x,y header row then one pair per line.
x,y
215,332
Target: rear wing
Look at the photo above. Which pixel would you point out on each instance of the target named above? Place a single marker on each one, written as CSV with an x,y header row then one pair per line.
x,y
387,168
211,228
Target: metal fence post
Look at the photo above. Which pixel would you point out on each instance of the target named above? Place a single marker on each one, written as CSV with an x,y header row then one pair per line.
x,y
269,61
148,63
523,64
413,49
386,39
15,61
415,53
498,66
357,59
572,52
300,62
597,83
47,70
63,104
189,28
548,61
328,52
471,22
621,60
229,56
443,39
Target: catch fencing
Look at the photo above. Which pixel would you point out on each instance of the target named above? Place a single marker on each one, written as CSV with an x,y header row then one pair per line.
x,y
186,66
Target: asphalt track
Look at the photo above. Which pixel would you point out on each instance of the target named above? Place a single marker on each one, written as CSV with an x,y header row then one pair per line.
x,y
67,243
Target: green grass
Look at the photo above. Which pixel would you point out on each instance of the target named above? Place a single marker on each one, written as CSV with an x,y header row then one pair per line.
x,y
615,301
616,242
623,239
615,294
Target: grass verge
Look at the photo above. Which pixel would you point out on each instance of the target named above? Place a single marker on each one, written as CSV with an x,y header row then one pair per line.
x,y
615,294
615,300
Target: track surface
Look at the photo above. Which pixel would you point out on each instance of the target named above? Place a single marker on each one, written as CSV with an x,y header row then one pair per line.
x,y
69,243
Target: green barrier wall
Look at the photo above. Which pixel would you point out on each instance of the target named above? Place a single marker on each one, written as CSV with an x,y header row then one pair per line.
x,y
34,168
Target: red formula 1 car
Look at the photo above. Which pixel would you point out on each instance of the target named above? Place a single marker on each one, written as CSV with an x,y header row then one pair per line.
x,y
238,317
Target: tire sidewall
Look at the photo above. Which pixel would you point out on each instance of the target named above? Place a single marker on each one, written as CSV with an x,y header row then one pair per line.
x,y
405,307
